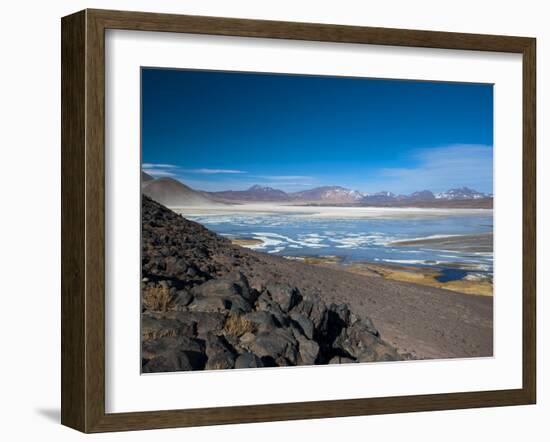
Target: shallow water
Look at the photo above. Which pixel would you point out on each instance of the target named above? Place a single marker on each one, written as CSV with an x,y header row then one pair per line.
x,y
451,275
354,240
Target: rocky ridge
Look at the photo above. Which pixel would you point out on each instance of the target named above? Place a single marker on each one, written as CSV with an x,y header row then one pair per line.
x,y
207,304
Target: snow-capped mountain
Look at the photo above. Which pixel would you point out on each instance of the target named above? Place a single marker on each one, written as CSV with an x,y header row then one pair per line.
x,y
379,197
333,194
461,193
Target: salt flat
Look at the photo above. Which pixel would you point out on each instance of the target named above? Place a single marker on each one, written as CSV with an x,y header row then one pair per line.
x,y
328,212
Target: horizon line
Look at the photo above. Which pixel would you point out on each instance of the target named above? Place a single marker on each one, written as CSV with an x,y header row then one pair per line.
x,y
366,193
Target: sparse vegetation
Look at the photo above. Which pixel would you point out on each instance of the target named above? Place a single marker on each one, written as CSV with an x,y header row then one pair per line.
x,y
157,299
236,325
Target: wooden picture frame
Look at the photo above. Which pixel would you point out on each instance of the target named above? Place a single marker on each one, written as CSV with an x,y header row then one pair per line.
x,y
83,220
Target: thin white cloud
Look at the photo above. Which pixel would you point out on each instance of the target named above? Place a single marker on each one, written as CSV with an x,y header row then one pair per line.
x,y
158,166
158,173
442,168
206,171
287,177
172,170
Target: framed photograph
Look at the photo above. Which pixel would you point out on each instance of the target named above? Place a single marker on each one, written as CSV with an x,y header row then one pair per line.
x,y
267,221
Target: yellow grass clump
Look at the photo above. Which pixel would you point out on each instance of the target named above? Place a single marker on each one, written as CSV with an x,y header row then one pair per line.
x,y
236,325
157,299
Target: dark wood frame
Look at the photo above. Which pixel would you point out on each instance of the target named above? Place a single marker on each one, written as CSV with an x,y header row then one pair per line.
x,y
83,218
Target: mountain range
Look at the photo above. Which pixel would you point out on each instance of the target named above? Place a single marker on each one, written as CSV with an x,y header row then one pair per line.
x,y
342,195
174,193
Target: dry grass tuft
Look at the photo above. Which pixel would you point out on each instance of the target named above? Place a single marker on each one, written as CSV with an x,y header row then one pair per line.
x,y
236,325
157,299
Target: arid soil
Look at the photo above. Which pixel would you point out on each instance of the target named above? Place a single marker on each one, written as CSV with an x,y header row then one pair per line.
x,y
427,322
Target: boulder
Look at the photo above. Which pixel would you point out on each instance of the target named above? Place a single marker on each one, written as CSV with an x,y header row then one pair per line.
x,y
284,295
358,341
173,354
238,304
248,360
342,311
227,286
176,361
219,352
181,300
308,350
203,303
229,293
204,322
305,324
249,294
278,344
313,308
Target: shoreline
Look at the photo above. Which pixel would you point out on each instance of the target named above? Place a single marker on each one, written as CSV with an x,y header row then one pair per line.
x,y
461,277
419,275
330,212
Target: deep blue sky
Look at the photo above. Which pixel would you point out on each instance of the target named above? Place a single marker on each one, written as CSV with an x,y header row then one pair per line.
x,y
222,130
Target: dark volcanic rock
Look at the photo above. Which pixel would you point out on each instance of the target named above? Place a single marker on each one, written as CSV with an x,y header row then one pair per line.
x,y
204,322
248,360
278,345
172,354
308,351
219,353
182,299
284,295
364,346
305,324
210,305
229,293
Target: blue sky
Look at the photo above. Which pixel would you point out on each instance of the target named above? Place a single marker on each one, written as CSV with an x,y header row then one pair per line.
x,y
221,130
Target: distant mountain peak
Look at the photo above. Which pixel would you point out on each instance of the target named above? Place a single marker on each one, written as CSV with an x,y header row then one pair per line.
x,y
333,194
461,193
422,195
384,193
259,188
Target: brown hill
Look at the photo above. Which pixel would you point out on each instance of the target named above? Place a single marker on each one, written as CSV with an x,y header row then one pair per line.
x,y
173,193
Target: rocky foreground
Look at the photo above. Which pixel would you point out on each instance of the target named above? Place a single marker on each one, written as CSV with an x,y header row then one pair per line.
x,y
208,304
